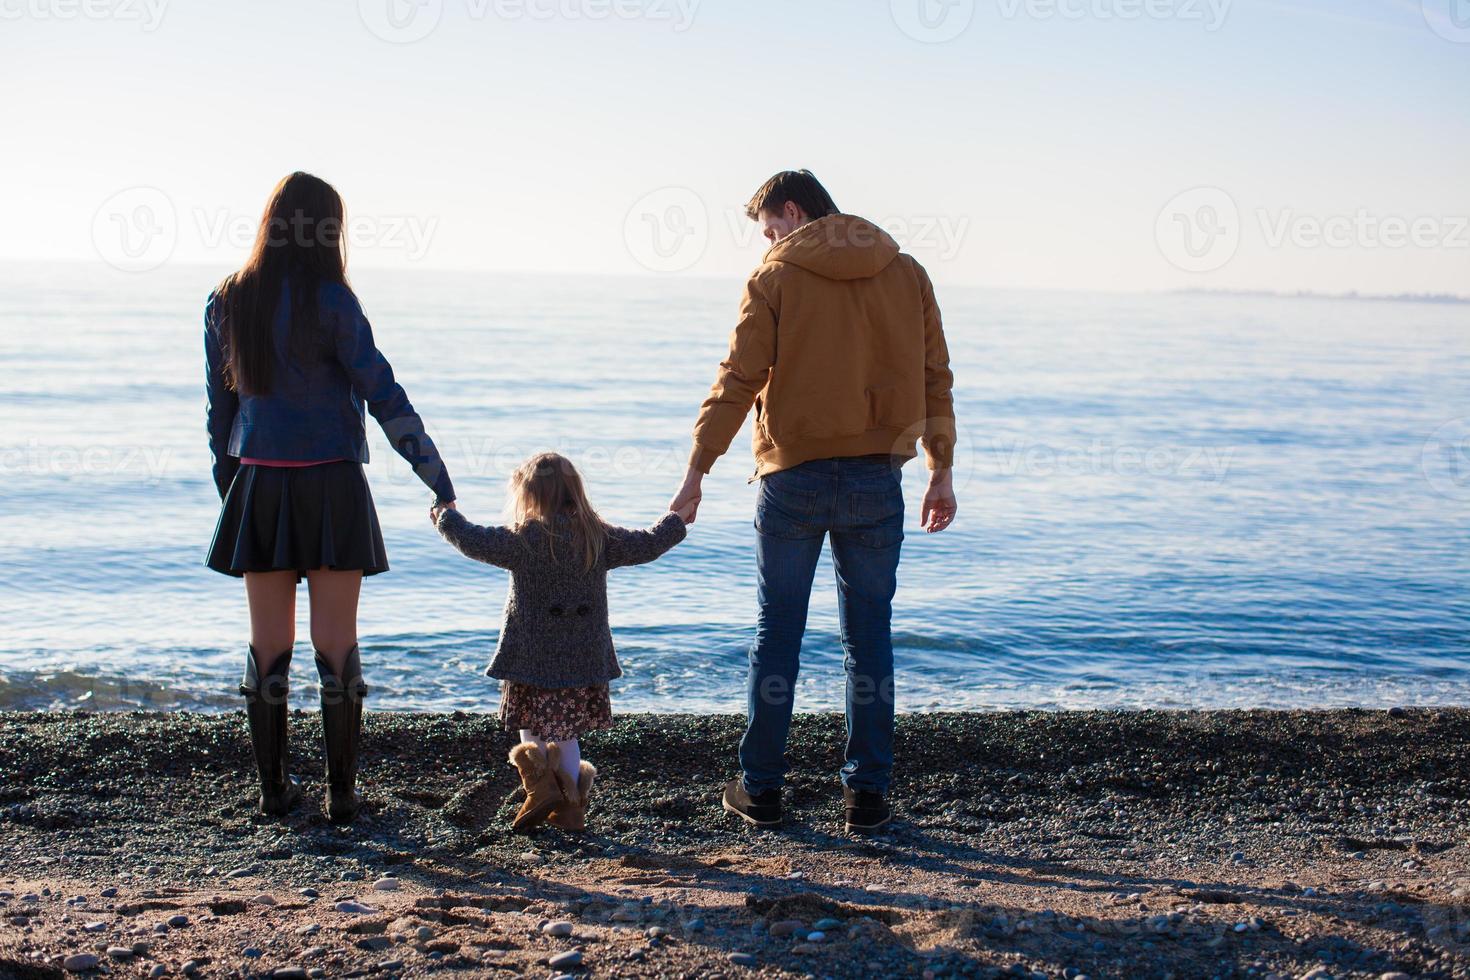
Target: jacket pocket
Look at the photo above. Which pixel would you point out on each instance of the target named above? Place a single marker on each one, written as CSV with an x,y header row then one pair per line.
x,y
883,408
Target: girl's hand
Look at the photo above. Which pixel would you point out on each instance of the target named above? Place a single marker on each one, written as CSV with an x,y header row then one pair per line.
x,y
439,509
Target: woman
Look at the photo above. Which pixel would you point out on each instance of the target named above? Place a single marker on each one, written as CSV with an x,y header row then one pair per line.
x,y
289,361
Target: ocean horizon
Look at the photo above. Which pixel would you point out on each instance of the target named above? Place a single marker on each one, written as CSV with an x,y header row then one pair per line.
x,y
1170,500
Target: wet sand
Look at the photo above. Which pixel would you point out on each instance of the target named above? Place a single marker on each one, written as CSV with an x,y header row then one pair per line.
x,y
1294,844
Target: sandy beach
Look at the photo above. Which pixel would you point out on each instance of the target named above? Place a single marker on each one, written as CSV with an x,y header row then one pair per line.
x,y
1313,844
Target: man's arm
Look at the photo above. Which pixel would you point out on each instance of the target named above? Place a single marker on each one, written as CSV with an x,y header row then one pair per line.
x,y
939,505
742,376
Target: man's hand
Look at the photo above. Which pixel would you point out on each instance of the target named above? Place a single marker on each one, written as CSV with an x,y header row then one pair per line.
x,y
686,501
438,509
939,503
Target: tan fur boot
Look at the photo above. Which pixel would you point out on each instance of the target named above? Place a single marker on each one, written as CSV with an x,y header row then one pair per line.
x,y
572,815
538,768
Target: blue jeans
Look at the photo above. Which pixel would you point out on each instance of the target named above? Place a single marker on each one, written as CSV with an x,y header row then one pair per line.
x,y
860,503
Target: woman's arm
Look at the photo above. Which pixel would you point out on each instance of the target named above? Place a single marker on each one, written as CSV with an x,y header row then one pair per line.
x,y
220,405
629,547
491,545
372,379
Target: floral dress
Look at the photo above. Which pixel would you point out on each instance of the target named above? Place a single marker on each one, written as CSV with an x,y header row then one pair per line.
x,y
556,714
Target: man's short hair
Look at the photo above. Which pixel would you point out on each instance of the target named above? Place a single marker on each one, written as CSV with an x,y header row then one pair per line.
x,y
796,186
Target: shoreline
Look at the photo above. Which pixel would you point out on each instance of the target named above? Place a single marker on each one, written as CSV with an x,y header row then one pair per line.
x,y
1224,843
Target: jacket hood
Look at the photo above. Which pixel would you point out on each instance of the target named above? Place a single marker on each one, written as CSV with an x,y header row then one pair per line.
x,y
839,246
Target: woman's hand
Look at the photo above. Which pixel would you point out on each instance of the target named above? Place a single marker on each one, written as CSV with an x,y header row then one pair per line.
x,y
438,509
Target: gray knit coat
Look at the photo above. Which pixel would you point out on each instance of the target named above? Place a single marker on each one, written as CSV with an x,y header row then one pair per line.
x,y
556,632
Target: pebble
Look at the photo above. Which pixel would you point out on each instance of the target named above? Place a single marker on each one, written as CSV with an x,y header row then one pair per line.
x,y
79,962
19,920
191,966
785,927
238,873
312,952
354,908
1393,976
159,970
310,929
694,925
250,952
557,929
262,900
290,973
109,893
656,932
816,937
120,952
741,959
177,921
424,934
94,927
565,961
387,885
531,856
309,893
826,925
802,949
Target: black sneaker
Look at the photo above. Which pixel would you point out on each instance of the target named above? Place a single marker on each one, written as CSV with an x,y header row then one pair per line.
x,y
867,811
760,810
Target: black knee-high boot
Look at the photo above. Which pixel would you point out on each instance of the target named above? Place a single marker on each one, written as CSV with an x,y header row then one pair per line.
x,y
342,733
265,708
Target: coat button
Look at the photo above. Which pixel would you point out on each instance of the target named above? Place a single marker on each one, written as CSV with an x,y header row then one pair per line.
x,y
556,610
583,609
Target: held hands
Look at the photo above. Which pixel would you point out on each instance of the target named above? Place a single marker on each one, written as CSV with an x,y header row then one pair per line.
x,y
438,509
686,501
939,503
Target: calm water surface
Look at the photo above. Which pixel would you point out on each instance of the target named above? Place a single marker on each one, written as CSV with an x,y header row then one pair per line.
x,y
1165,501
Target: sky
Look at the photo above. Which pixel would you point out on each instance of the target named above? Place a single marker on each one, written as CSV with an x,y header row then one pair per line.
x,y
1051,144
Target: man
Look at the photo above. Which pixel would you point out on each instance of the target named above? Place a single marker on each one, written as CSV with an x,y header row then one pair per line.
x,y
840,349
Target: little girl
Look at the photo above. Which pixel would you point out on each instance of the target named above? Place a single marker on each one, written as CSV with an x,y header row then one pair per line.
x,y
555,656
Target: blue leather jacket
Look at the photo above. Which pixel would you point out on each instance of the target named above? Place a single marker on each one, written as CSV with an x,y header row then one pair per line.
x,y
314,411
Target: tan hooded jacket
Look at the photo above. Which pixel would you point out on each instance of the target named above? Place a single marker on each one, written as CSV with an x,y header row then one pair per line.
x,y
840,349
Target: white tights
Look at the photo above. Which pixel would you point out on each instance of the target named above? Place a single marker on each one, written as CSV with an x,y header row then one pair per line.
x,y
571,753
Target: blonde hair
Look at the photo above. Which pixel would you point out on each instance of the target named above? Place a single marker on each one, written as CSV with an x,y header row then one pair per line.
x,y
548,486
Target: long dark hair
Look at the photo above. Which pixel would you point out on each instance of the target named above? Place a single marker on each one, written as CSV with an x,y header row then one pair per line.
x,y
301,239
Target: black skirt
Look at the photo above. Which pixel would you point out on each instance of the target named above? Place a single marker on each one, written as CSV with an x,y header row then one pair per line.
x,y
297,519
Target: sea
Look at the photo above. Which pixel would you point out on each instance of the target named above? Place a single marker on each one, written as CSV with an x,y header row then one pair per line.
x,y
1172,500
